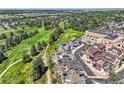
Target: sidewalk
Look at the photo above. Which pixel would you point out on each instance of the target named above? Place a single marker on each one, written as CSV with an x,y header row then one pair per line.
x,y
118,70
97,73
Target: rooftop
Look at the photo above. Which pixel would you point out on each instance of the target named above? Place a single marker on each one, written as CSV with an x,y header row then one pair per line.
x,y
108,30
102,58
111,37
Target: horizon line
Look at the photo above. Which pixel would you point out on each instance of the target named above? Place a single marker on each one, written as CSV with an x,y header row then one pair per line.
x,y
61,9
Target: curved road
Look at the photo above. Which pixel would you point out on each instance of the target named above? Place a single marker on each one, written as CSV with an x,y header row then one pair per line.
x,y
45,61
9,67
88,70
85,67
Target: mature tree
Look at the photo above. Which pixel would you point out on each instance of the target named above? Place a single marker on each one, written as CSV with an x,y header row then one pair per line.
x,y
26,58
59,30
11,34
39,46
2,36
11,40
25,34
7,44
36,32
17,40
54,37
38,69
2,57
33,51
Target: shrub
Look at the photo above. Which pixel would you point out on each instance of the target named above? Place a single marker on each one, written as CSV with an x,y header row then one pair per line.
x,y
26,58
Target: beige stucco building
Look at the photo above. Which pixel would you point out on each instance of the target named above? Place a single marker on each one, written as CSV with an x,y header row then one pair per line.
x,y
97,36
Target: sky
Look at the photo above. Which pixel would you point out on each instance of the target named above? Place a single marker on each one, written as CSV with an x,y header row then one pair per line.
x,y
61,3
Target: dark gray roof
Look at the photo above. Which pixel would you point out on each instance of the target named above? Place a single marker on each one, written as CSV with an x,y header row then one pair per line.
x,y
111,37
100,32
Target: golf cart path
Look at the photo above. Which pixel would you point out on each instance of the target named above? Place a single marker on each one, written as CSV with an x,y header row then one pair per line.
x,y
48,71
9,67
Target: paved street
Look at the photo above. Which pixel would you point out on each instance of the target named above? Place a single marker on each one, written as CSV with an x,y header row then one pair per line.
x,y
101,81
86,68
71,59
121,74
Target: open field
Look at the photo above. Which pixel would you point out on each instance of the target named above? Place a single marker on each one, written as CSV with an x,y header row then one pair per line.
x,y
16,53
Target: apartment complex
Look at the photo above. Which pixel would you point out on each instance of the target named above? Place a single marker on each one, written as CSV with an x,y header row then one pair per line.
x,y
101,57
109,35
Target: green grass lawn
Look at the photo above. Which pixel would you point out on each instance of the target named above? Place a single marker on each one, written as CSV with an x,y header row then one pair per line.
x,y
16,53
2,42
7,32
68,34
20,72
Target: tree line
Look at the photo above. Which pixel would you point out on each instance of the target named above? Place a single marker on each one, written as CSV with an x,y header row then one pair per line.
x,y
38,67
13,41
54,36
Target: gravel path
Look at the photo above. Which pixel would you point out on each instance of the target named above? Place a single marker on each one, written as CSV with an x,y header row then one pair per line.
x,y
49,81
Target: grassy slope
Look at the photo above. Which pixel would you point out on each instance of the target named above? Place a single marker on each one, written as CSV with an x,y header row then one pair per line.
x,y
20,73
64,37
68,34
7,32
